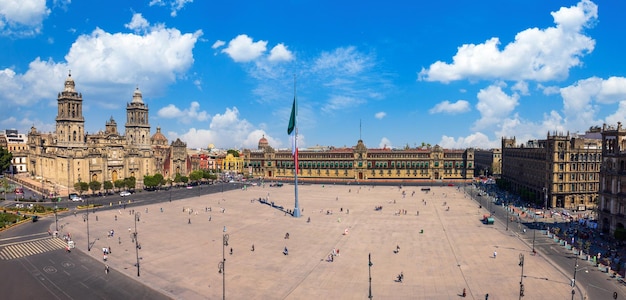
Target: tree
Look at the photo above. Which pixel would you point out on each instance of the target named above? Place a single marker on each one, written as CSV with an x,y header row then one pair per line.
x,y
159,179
150,181
5,186
234,152
195,175
5,159
81,187
184,179
108,185
130,182
95,186
177,178
120,184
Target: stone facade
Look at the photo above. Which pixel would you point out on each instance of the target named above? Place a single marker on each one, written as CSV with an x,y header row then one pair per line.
x,y
70,155
560,171
612,203
360,163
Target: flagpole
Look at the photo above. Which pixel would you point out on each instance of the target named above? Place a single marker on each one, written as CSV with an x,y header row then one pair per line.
x,y
296,210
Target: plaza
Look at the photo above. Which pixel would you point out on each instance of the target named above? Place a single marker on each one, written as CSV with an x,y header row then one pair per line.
x,y
441,250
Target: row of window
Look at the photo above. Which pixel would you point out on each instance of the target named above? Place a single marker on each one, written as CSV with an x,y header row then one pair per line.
x,y
340,165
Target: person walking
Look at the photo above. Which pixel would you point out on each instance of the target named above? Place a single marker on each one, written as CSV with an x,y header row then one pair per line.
x,y
495,254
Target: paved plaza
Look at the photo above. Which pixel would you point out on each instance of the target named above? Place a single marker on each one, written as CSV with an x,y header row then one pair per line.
x,y
441,251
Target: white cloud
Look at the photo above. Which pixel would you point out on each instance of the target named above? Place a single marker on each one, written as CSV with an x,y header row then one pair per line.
x,y
280,53
474,140
618,116
138,23
228,131
380,115
175,5
106,66
446,107
535,54
549,90
494,105
342,61
521,87
185,116
384,143
243,49
218,43
22,18
338,102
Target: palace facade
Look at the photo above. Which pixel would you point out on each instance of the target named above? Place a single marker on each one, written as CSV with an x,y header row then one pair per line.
x,y
612,204
359,163
70,155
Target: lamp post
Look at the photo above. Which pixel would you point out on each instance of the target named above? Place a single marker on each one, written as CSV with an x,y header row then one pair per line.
x,y
134,236
222,265
521,280
86,219
369,257
534,232
576,269
56,220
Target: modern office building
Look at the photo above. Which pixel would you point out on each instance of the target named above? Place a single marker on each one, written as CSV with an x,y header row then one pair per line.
x,y
359,163
70,155
612,203
560,171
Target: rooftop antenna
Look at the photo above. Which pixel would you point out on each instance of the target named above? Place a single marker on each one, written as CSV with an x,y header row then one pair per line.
x,y
360,130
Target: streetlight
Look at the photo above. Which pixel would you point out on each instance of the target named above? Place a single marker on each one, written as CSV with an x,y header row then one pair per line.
x,y
521,280
222,265
534,231
369,257
576,269
134,237
86,219
56,220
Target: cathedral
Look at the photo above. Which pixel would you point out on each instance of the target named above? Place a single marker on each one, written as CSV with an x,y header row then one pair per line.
x,y
71,155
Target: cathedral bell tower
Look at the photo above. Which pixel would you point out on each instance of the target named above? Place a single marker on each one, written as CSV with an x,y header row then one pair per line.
x,y
137,126
70,123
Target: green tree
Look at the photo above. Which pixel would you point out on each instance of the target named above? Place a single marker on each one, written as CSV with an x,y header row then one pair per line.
x,y
234,152
95,186
195,175
150,181
159,179
184,179
130,182
177,178
5,186
81,187
108,185
120,184
5,159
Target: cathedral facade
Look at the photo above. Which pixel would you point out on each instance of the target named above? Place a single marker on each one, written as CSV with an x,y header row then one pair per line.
x,y
71,155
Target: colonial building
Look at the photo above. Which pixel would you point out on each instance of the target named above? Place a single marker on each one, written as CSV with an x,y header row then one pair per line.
x,y
560,171
612,204
488,162
361,163
15,143
70,155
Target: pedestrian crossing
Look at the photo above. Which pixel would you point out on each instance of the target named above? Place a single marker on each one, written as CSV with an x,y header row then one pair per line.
x,y
32,247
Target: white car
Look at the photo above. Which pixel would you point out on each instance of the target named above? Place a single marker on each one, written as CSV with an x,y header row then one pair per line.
x,y
125,193
77,199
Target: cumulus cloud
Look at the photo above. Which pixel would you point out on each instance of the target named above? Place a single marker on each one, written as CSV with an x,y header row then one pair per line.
x,y
227,130
385,143
174,5
280,53
475,140
185,116
493,105
380,115
243,49
22,18
218,44
535,54
138,23
582,100
106,66
446,107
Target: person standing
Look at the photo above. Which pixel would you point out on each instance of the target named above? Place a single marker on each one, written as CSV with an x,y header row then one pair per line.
x,y
495,254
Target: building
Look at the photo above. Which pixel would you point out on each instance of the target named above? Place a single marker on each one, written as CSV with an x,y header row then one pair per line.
x,y
71,155
488,162
359,163
612,203
560,171
16,144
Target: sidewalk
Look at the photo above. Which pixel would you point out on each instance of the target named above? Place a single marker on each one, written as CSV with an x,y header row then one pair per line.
x,y
440,253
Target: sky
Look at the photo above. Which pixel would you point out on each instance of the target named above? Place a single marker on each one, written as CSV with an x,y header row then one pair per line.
x,y
452,73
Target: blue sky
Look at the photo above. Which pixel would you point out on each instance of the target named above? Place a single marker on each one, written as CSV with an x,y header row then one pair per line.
x,y
454,73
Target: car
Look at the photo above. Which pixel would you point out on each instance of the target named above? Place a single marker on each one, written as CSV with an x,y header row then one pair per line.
x,y
77,199
124,193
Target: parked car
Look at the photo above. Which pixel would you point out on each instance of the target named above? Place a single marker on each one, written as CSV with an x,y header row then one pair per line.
x,y
124,193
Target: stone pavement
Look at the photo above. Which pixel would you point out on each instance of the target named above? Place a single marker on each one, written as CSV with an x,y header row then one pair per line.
x,y
441,251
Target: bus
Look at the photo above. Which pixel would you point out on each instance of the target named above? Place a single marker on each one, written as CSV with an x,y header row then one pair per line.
x,y
19,191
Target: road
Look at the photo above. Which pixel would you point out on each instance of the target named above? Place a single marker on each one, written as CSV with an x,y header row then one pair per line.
x,y
590,281
35,265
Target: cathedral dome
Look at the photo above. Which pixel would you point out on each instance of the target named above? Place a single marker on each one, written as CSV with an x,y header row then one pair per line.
x,y
158,137
263,142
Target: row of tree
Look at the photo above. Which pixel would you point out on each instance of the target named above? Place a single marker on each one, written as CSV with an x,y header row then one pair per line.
x,y
95,186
